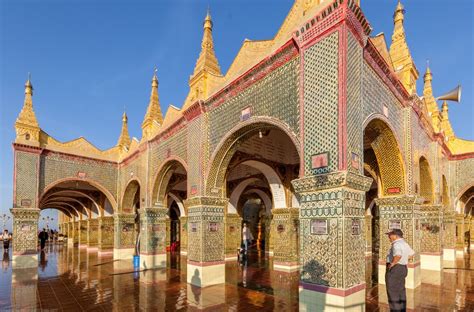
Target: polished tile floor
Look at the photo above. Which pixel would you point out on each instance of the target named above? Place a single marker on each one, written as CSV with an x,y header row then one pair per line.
x,y
77,280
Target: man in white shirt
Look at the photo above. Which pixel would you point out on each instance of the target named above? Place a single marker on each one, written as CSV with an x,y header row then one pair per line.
x,y
397,260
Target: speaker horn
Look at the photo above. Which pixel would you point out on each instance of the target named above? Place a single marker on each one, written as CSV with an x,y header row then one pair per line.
x,y
453,95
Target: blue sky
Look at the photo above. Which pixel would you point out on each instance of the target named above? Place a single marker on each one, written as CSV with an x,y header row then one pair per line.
x,y
90,59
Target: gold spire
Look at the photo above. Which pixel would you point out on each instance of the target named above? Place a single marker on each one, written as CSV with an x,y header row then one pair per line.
x,y
124,139
153,117
400,54
207,60
26,125
207,71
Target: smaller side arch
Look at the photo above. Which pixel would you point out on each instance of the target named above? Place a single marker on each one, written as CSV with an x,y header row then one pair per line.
x,y
180,204
129,194
162,176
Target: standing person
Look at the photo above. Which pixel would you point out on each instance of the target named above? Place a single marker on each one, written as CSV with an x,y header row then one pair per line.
x,y
6,240
246,236
43,237
397,260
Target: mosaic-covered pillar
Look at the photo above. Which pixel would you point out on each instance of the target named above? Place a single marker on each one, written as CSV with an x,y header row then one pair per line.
x,y
70,234
106,234
332,241
431,253
284,231
449,237
124,236
233,235
25,237
470,242
76,233
183,235
268,234
153,237
168,232
459,234
206,243
83,233
92,233
368,235
402,212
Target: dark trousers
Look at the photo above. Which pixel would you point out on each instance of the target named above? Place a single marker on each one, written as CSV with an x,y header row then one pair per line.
x,y
395,282
42,243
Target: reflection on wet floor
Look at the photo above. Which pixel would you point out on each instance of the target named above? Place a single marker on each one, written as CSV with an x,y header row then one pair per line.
x,y
75,279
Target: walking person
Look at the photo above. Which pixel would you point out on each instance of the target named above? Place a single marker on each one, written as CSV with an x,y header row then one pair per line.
x,y
397,260
246,237
6,237
43,237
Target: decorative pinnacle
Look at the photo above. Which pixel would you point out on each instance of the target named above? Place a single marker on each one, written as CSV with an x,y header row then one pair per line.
x,y
208,19
399,12
124,116
28,85
428,75
154,81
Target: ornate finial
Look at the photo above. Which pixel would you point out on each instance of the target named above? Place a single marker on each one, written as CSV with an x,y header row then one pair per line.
x,y
124,116
399,12
28,85
428,75
208,19
154,81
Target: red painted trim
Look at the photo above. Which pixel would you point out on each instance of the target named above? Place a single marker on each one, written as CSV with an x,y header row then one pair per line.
x,y
301,99
333,291
27,148
461,156
172,129
194,111
74,157
342,105
204,264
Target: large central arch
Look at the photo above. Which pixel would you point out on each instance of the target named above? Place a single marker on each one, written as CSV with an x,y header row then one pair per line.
x,y
225,150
